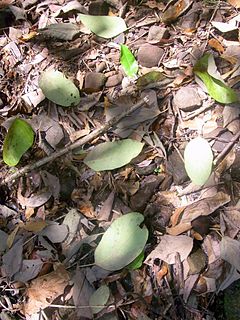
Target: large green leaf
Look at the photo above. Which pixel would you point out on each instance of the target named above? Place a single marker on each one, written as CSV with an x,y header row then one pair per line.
x,y
128,61
104,26
112,155
123,241
99,299
57,88
216,88
19,139
198,159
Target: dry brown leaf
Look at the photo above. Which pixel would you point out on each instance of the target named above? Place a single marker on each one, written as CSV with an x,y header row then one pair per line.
x,y
234,3
45,289
215,44
5,3
178,229
33,225
174,11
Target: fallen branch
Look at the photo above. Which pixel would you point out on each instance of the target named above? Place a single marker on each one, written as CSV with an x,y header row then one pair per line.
x,y
93,135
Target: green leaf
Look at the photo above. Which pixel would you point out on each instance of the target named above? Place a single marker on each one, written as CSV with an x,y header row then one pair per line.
x,y
216,88
104,26
99,299
149,78
123,241
112,155
128,61
57,88
18,140
137,263
198,159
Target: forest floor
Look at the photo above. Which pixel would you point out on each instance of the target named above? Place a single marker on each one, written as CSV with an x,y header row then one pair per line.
x,y
55,205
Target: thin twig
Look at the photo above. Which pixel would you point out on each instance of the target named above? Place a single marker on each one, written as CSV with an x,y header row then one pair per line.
x,y
93,135
227,148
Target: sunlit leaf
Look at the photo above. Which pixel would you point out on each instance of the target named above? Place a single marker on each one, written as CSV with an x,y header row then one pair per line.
x,y
18,140
123,241
112,155
104,26
99,299
57,88
216,88
198,159
128,61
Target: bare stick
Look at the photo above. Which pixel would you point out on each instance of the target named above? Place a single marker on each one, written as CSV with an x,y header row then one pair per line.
x,y
227,148
94,134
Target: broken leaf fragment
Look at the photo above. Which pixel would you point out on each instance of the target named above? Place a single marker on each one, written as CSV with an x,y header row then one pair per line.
x,y
57,88
104,26
123,242
99,299
113,155
216,88
128,61
18,140
198,160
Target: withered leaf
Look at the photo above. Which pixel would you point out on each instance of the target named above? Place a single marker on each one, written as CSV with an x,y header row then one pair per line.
x,y
43,290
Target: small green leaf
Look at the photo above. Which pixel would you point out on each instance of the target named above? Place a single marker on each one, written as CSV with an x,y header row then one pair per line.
x,y
128,61
57,88
123,241
99,299
216,88
198,159
137,263
18,140
104,26
112,155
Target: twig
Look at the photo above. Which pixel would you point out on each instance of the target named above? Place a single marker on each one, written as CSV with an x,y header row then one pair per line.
x,y
227,148
93,135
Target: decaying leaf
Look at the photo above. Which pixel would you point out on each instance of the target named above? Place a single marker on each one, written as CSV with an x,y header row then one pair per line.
x,y
62,31
175,10
168,247
43,290
12,260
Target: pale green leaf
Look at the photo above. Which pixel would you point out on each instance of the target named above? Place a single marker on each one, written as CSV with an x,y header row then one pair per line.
x,y
216,88
57,88
112,155
19,139
128,61
99,299
104,26
123,241
198,159
137,262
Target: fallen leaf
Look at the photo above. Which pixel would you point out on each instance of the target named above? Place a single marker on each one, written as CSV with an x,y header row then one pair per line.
x,y
234,3
62,31
215,44
104,26
55,232
29,270
58,89
12,260
113,155
175,10
168,247
19,139
99,299
43,290
123,241
33,226
229,251
36,200
128,62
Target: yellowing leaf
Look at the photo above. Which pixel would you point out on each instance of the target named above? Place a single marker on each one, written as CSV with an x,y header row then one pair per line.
x,y
104,26
123,241
112,155
18,140
57,88
198,159
216,88
128,61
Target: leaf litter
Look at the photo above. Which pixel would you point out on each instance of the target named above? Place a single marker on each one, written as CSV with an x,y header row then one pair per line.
x,y
179,64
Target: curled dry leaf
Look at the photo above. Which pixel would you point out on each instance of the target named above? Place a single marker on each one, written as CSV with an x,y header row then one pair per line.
x,y
43,290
